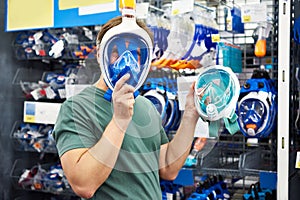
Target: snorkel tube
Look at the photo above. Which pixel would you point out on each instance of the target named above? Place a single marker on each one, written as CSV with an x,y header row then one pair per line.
x,y
132,47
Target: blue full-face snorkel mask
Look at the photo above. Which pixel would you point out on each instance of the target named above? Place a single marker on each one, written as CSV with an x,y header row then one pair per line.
x,y
257,107
126,48
216,94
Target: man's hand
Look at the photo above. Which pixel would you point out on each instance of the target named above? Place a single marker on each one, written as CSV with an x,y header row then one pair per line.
x,y
190,108
123,102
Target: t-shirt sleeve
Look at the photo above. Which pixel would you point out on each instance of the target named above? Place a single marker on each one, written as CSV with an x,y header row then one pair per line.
x,y
71,129
164,137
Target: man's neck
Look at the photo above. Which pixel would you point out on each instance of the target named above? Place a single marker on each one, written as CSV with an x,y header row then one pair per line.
x,y
101,84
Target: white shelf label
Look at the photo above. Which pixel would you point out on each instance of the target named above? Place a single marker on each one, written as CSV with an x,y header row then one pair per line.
x,y
254,13
182,6
298,160
40,112
142,10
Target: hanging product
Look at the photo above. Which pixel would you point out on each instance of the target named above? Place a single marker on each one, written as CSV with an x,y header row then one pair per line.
x,y
126,48
210,187
160,102
216,93
262,33
257,107
296,30
230,55
173,114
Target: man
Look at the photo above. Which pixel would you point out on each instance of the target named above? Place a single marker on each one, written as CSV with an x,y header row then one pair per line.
x,y
118,149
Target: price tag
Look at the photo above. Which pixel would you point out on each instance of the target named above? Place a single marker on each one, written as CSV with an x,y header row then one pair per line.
x,y
182,6
142,10
201,129
215,38
40,112
246,18
175,12
297,165
254,12
29,119
29,112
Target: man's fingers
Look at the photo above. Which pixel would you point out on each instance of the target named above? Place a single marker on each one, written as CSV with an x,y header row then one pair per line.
x,y
121,81
126,89
128,96
124,97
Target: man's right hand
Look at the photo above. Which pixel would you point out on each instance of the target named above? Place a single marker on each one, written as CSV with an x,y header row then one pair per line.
x,y
123,103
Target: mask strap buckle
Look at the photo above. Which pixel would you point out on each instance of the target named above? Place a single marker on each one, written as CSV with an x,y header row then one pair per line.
x,y
231,124
108,95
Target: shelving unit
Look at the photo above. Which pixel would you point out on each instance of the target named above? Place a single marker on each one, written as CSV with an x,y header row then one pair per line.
x,y
232,157
35,138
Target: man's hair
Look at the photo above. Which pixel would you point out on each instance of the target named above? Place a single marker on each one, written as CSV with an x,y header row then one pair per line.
x,y
116,21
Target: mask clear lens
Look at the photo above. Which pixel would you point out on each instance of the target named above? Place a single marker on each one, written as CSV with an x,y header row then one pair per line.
x,y
252,110
125,53
253,115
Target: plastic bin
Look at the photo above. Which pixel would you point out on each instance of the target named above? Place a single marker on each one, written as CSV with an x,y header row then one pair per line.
x,y
41,182
42,144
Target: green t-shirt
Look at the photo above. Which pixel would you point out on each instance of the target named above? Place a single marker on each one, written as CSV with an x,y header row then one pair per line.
x,y
80,124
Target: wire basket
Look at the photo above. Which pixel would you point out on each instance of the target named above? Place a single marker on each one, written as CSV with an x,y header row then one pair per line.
x,y
221,160
256,161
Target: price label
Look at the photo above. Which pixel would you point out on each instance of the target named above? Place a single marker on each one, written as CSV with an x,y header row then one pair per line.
x,y
297,165
29,119
182,6
175,12
256,12
247,18
29,112
41,112
215,38
142,10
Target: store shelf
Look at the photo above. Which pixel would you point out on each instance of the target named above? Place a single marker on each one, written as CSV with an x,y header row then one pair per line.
x,y
41,181
77,42
221,161
41,85
256,161
43,196
22,141
70,52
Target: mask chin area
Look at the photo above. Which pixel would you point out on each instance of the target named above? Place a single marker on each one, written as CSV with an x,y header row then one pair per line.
x,y
211,111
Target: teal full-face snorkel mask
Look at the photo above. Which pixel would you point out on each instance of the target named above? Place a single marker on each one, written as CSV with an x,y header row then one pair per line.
x,y
216,94
126,48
